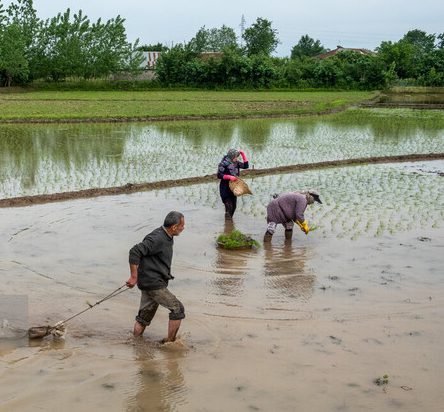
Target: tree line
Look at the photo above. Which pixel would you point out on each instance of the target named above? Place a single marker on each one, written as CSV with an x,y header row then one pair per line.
x,y
65,46
70,46
416,59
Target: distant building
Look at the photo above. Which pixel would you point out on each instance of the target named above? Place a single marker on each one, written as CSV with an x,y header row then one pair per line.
x,y
147,65
340,49
149,59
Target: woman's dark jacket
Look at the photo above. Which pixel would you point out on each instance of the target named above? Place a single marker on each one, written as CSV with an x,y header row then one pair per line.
x,y
228,167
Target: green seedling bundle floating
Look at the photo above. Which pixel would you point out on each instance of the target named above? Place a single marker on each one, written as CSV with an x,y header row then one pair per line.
x,y
236,240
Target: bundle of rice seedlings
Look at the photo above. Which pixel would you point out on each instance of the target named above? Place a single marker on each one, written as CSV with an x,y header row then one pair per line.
x,y
236,240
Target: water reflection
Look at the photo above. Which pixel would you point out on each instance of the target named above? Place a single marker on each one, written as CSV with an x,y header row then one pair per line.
x,y
230,267
41,159
160,381
432,97
199,133
285,273
13,322
47,344
255,134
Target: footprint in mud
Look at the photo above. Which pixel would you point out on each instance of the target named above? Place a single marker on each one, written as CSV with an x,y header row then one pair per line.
x,y
373,340
353,291
335,340
274,349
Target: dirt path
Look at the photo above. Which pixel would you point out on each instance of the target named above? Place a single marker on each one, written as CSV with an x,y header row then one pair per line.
x,y
139,187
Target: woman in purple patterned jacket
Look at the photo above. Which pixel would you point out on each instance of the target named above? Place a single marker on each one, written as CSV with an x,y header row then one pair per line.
x,y
288,209
229,169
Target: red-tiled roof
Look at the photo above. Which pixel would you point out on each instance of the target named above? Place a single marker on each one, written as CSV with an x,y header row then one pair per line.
x,y
341,49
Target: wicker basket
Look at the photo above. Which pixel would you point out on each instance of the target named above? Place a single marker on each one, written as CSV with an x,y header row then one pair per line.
x,y
239,187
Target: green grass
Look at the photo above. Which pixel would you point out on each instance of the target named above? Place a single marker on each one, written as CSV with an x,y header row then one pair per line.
x,y
236,240
64,105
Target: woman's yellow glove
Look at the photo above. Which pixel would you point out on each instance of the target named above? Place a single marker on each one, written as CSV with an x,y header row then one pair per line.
x,y
304,226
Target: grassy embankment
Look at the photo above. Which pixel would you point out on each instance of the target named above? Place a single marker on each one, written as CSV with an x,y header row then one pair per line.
x,y
139,105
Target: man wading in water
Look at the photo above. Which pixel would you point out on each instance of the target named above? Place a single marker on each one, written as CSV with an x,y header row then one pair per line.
x,y
150,268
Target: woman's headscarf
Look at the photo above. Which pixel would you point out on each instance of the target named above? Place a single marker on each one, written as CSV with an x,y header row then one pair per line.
x,y
233,153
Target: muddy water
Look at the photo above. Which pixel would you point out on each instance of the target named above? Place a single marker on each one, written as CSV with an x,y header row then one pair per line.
x,y
301,325
435,97
43,159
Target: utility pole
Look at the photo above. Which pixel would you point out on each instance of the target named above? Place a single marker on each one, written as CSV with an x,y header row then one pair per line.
x,y
242,29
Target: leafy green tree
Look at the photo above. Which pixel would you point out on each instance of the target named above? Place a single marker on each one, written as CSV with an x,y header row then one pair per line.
x,y
440,41
108,50
413,55
435,73
422,41
134,59
3,17
263,72
152,47
171,65
72,46
221,39
199,43
390,76
13,62
359,71
401,54
233,69
326,73
213,40
65,39
307,47
23,14
423,46
260,38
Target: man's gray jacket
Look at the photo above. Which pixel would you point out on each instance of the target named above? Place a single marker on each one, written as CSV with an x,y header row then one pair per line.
x,y
153,256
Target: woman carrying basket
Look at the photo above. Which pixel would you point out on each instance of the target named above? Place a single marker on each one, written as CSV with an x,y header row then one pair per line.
x,y
229,170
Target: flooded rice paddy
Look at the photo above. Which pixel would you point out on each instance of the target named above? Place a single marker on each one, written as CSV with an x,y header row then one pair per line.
x,y
307,324
371,200
427,98
44,159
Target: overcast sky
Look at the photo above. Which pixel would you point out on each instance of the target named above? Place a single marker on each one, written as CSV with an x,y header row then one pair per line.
x,y
349,23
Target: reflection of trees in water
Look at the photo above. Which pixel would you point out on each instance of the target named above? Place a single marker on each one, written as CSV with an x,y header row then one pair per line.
x,y
26,149
50,158
230,269
285,272
254,133
198,133
384,126
160,382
